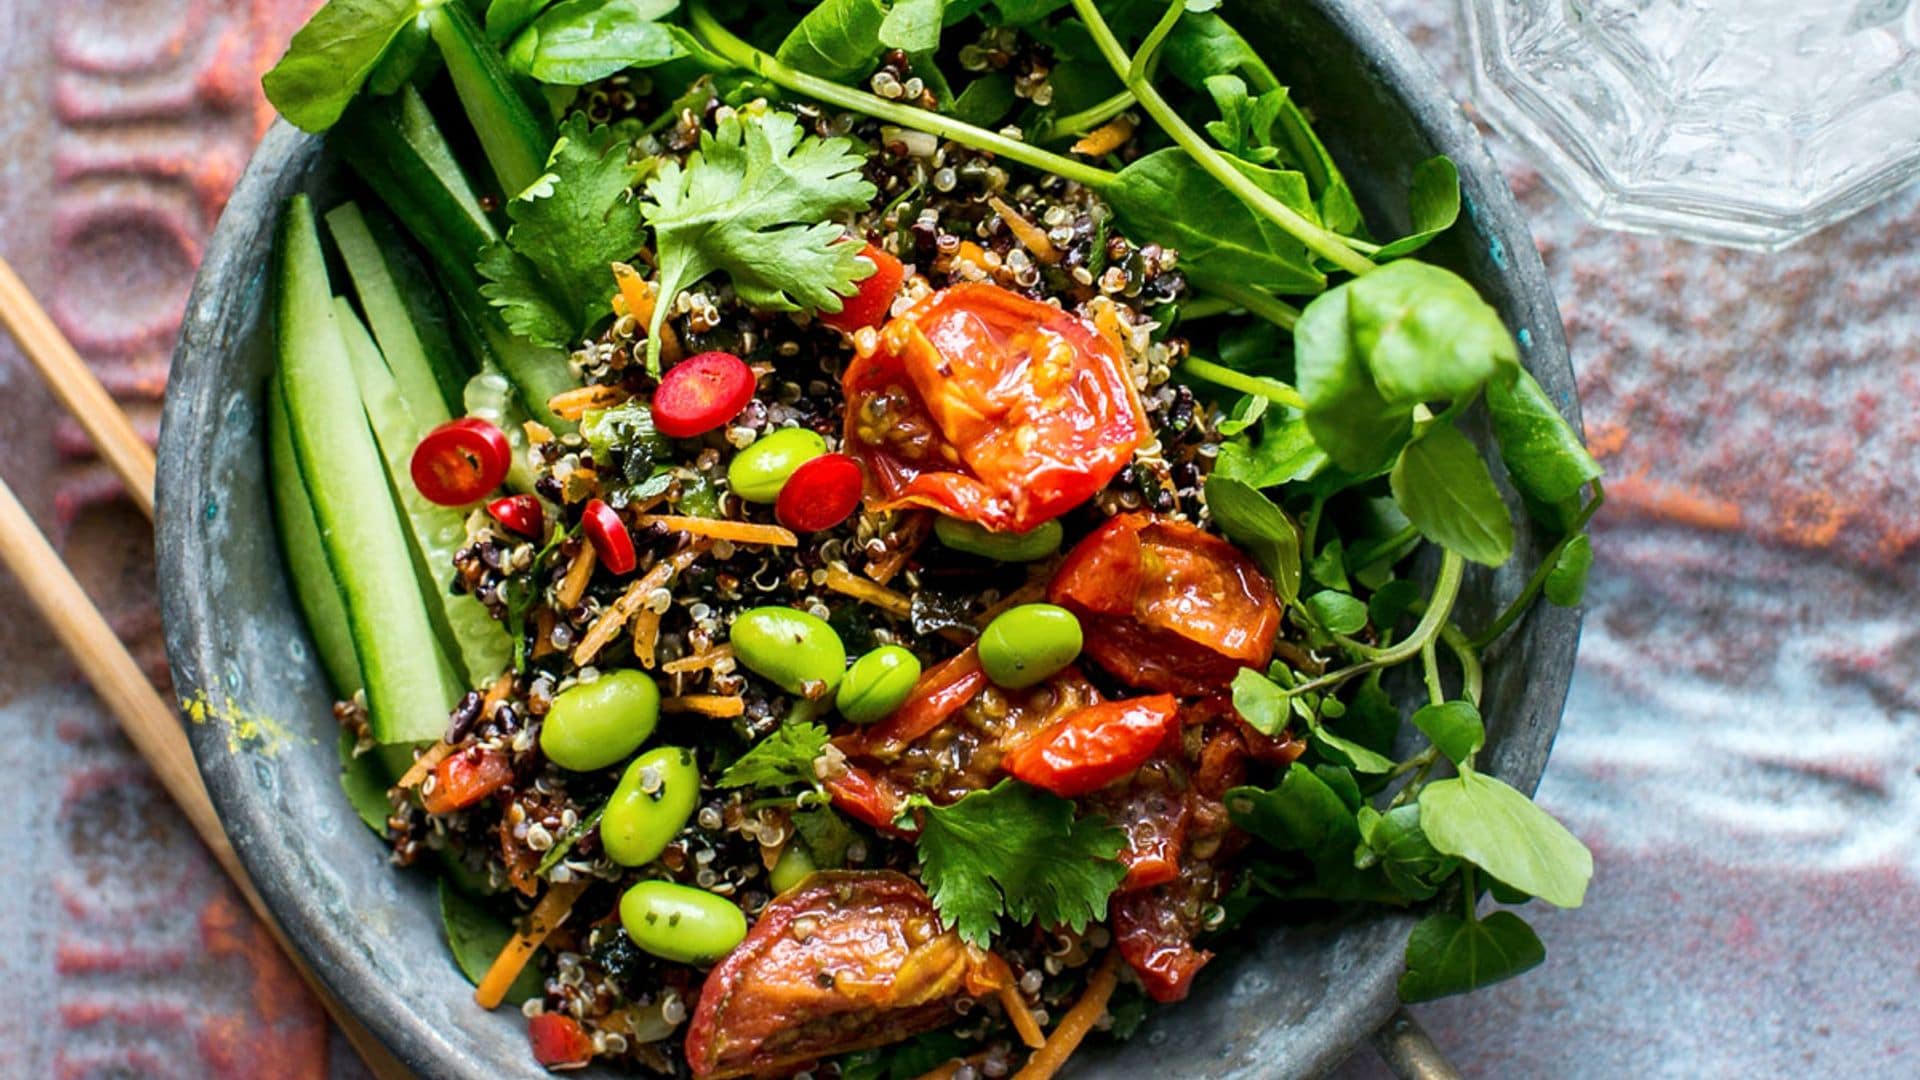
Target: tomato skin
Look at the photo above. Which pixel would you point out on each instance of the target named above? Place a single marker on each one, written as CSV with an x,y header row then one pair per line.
x,y
941,691
1091,748
609,536
872,967
559,1042
464,777
460,461
701,393
1166,605
867,796
521,514
820,494
1154,811
987,406
1156,941
869,306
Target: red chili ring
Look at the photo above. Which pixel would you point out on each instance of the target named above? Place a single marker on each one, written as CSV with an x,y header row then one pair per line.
x,y
609,537
701,393
820,494
521,514
460,461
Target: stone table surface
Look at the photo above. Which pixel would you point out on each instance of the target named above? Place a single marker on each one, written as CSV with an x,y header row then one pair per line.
x,y
1741,751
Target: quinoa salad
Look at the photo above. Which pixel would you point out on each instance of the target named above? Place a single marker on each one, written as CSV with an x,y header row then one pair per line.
x,y
872,539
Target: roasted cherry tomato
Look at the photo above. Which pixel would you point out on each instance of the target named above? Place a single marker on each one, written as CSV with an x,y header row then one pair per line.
x,y
460,461
1095,746
609,536
870,305
521,514
1154,810
559,1042
870,967
820,494
701,393
987,406
1153,929
1167,606
464,777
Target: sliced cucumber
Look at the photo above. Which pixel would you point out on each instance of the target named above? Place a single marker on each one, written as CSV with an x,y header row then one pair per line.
x,y
477,643
490,396
313,583
515,138
410,690
405,312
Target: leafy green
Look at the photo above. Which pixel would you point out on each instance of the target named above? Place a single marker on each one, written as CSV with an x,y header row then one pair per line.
x,y
1259,702
549,277
1542,451
579,41
758,200
1017,851
783,758
1395,843
913,26
1435,204
1308,815
986,101
1285,452
365,783
332,55
1454,727
1337,612
838,39
826,835
476,936
1251,520
1486,822
907,1060
1245,127
1567,582
1155,197
1329,568
1448,493
1450,955
505,18
1347,415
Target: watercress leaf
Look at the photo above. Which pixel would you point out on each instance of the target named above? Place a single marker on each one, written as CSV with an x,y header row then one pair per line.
x,y
782,759
1424,334
1448,493
1434,201
1285,453
838,40
1360,430
1329,568
1302,814
913,26
331,56
1337,612
1542,451
1391,601
1449,955
1405,854
1372,720
579,41
1454,727
1340,212
1251,520
1486,822
1504,893
1253,345
506,18
1023,12
986,101
1567,582
476,935
1246,413
1154,196
1245,127
1346,751
1341,781
365,783
1259,702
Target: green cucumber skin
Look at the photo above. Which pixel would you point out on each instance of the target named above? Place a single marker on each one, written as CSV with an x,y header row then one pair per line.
x,y
404,310
313,583
515,138
476,643
360,532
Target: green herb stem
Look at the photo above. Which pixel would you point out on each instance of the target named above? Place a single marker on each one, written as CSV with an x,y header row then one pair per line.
x,y
1273,390
1318,240
1421,760
1539,579
723,42
1472,678
1092,117
1142,67
1446,589
1430,669
1206,307
1278,312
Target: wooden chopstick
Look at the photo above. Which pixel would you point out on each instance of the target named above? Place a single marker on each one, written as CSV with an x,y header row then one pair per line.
x,y
75,384
150,724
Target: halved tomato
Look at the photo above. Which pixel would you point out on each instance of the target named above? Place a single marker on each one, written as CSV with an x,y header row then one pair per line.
x,y
464,777
1153,808
840,962
1153,929
984,405
1092,747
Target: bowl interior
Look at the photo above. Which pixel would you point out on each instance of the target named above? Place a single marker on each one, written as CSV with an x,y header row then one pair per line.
x,y
1288,1001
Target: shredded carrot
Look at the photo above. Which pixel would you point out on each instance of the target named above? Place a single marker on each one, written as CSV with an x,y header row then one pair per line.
x,y
718,705
1023,1022
639,295
902,544
1074,1026
646,636
574,585
547,915
1106,138
739,532
543,634
698,661
1032,236
574,404
842,580
537,433
614,619
971,252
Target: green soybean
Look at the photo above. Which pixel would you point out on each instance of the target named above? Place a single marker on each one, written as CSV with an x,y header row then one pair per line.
x,y
1028,644
757,473
877,684
796,862
681,923
652,803
1031,546
595,724
798,652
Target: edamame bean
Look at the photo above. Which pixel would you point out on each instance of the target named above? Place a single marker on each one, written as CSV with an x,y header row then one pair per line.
x,y
877,684
681,923
593,725
757,473
651,804
1031,546
799,652
1028,644
796,862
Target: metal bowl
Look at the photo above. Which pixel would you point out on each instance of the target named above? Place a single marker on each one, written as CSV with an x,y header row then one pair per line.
x,y
1293,1001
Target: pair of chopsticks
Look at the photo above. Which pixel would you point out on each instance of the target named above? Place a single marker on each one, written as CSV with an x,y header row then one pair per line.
x,y
150,723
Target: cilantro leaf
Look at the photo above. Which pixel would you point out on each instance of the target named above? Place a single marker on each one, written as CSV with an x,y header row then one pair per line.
x,y
550,276
1017,851
757,201
1451,955
782,758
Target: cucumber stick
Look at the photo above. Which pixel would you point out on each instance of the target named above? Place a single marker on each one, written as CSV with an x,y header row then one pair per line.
x,y
410,688
477,643
404,311
489,396
514,137
313,583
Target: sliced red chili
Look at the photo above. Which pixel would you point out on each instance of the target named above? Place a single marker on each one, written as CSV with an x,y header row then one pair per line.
x,y
701,393
870,306
460,461
1093,747
520,513
464,777
820,494
559,1042
609,536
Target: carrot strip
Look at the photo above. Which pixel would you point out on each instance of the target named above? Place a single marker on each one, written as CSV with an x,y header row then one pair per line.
x,y
739,532
614,619
903,545
547,915
646,636
573,404
639,295
1106,138
698,661
574,585
842,580
1031,236
718,705
1016,1009
1074,1026
543,634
